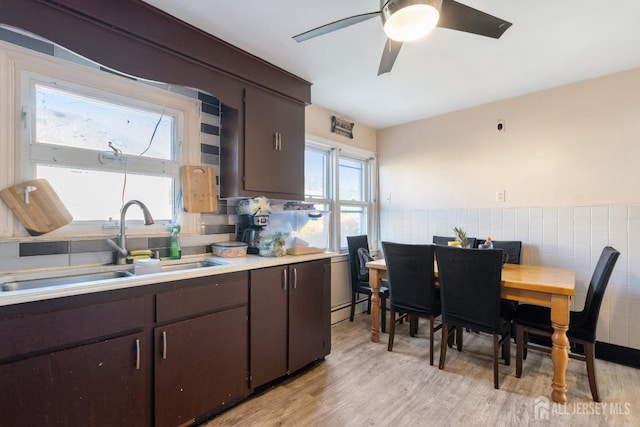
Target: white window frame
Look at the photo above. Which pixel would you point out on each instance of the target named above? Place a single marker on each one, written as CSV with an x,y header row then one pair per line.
x,y
336,150
366,189
328,151
21,66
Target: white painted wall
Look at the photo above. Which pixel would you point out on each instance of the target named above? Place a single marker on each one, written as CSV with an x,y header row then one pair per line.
x,y
570,146
568,162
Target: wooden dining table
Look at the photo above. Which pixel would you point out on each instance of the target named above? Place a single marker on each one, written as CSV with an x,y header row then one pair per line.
x,y
549,286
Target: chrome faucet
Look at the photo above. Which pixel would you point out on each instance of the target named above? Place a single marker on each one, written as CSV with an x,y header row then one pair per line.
x,y
121,250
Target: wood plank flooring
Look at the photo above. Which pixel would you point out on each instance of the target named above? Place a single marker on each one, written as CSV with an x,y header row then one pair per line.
x,y
362,384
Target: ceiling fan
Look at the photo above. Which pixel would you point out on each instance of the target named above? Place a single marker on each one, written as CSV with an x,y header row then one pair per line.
x,y
409,20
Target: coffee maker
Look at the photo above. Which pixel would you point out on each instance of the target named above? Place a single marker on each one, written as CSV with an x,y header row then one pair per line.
x,y
249,231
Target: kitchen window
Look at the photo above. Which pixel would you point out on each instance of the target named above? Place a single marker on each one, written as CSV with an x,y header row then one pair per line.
x,y
317,176
101,139
339,178
353,203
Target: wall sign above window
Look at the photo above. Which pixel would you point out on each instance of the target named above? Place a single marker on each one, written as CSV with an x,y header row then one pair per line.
x,y
342,127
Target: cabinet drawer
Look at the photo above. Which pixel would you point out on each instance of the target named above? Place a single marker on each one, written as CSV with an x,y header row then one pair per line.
x,y
58,329
202,295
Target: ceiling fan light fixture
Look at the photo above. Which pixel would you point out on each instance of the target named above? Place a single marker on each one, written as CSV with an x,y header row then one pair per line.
x,y
408,20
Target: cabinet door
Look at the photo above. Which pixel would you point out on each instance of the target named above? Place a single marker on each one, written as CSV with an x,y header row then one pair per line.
x,y
268,325
98,384
309,313
273,166
201,365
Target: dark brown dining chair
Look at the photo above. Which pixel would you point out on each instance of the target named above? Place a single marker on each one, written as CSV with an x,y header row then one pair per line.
x,y
412,289
535,320
470,282
513,250
444,241
360,282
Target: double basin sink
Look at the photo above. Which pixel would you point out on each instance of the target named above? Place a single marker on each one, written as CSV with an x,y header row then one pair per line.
x,y
20,285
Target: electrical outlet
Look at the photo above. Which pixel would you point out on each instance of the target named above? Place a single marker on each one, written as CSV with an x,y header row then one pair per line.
x,y
500,196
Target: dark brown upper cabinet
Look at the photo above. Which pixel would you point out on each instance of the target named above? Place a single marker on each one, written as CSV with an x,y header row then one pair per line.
x,y
269,154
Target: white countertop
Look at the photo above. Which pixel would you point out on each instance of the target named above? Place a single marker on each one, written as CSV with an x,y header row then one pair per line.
x,y
229,265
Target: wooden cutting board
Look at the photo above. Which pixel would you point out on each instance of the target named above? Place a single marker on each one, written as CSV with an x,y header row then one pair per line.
x,y
199,192
44,211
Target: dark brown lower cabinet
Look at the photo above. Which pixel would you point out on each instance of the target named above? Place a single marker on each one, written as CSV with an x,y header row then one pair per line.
x,y
290,318
269,302
162,355
101,384
200,366
309,312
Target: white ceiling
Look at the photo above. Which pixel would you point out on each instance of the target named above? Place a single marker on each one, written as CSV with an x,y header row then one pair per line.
x,y
551,43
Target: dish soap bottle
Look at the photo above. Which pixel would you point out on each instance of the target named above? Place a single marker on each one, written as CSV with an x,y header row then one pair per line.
x,y
488,244
174,247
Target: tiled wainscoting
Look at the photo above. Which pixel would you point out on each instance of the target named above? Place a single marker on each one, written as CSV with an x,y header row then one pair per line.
x,y
570,237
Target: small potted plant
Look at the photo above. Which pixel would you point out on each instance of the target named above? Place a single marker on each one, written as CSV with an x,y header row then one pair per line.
x,y
461,236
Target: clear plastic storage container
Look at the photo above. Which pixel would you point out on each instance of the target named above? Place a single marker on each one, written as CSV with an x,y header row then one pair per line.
x,y
229,249
307,231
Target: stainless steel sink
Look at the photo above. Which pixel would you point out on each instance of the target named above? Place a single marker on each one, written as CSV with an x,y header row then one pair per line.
x,y
63,280
21,285
189,265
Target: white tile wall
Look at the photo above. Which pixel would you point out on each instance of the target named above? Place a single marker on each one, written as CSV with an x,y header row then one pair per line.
x,y
569,237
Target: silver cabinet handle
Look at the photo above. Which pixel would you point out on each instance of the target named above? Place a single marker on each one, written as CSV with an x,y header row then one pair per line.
x,y
138,354
164,344
284,279
295,277
277,141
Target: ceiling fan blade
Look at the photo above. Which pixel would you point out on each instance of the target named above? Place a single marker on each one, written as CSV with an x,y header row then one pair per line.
x,y
389,55
457,16
327,28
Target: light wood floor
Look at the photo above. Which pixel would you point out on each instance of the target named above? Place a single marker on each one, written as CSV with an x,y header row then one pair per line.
x,y
361,384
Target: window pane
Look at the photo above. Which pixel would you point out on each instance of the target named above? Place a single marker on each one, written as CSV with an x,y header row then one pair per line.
x,y
321,206
97,195
352,179
64,118
315,173
353,222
